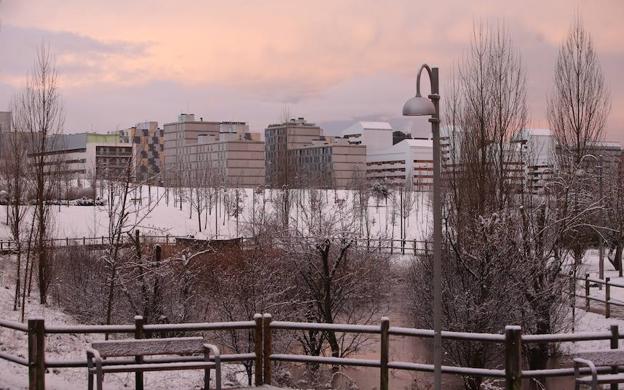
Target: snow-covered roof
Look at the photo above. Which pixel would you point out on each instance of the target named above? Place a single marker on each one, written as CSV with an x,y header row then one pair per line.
x,y
376,125
417,142
538,132
360,127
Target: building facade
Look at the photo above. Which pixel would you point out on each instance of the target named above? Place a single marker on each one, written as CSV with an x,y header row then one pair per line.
x,y
88,156
6,121
279,139
212,154
178,135
232,160
329,163
147,141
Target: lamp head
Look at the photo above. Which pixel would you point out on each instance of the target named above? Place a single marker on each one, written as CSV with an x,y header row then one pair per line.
x,y
418,106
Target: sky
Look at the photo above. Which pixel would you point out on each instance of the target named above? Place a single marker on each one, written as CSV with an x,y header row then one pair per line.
x,y
121,62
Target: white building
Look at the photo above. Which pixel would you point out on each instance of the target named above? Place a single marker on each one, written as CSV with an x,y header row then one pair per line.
x,y
408,163
375,135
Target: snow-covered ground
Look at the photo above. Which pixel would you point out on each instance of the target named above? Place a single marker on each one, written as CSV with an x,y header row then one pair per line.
x,y
72,347
159,218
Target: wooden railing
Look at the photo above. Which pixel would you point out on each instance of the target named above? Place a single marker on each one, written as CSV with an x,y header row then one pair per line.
x,y
380,245
607,301
263,328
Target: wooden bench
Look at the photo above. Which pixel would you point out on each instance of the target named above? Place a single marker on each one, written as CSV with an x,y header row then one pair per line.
x,y
139,348
613,359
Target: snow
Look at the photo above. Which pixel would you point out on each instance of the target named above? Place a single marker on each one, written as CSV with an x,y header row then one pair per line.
x,y
162,219
62,347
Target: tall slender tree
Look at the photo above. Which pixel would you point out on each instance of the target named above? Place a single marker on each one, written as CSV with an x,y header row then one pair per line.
x,y
39,111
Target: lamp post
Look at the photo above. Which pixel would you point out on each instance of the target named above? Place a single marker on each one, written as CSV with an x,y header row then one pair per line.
x,y
420,106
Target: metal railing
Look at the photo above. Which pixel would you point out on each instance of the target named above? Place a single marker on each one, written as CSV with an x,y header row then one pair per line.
x,y
263,327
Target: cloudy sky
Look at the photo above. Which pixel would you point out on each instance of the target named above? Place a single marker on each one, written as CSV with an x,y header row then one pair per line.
x,y
334,62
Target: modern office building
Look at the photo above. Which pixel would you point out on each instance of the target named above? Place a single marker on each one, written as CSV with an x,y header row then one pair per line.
x,y
212,153
147,149
234,159
88,156
329,162
6,121
178,135
279,140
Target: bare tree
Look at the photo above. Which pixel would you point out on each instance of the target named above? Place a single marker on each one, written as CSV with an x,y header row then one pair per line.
x,y
579,105
577,113
40,113
14,173
337,281
486,108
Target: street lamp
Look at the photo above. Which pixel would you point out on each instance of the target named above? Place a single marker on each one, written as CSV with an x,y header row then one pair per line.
x,y
420,106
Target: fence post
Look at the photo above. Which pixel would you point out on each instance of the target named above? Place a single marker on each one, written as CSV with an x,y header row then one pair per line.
x,y
414,244
385,352
66,241
513,358
36,354
102,240
607,298
587,291
615,337
379,245
267,348
84,241
138,334
258,349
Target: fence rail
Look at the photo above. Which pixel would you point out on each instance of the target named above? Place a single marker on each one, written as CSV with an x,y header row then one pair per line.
x,y
380,245
263,329
607,301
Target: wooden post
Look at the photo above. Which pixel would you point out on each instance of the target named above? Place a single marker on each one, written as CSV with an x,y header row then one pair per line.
x,y
379,245
258,350
607,298
414,245
385,354
138,334
66,241
513,357
615,337
267,349
36,354
84,241
102,240
587,291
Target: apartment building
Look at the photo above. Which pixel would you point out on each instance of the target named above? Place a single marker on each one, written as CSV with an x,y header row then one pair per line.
x,y
329,163
6,121
234,159
178,135
147,141
279,140
212,153
88,156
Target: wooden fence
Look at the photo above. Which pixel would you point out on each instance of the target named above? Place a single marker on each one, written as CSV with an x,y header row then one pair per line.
x,y
607,301
381,245
263,327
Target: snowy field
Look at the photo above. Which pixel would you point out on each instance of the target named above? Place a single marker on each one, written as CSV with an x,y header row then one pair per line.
x,y
160,217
